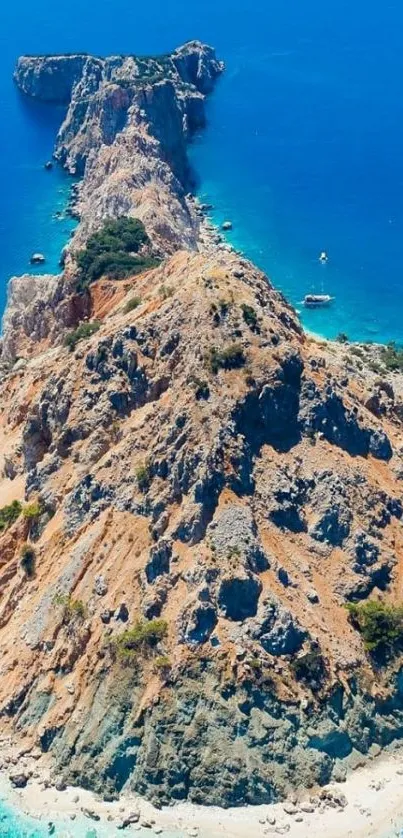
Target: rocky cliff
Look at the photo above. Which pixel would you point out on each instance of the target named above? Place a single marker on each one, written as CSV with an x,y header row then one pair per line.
x,y
199,488
127,125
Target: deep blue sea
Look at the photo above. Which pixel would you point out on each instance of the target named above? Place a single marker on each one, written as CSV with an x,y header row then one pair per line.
x,y
303,153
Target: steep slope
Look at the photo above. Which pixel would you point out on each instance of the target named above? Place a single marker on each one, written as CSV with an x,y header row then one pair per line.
x,y
203,488
127,124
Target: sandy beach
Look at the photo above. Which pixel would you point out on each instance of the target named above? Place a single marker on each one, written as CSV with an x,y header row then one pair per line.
x,y
369,804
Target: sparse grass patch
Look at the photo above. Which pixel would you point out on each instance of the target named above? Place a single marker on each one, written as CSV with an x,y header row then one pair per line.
x,y
354,362
9,514
83,331
143,476
375,367
73,609
135,302
166,291
356,350
162,664
234,552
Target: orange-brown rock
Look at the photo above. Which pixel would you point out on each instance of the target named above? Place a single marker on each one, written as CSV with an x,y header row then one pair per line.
x,y
195,463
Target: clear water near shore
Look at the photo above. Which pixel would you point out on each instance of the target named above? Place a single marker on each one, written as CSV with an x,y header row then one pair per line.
x,y
14,824
18,826
302,151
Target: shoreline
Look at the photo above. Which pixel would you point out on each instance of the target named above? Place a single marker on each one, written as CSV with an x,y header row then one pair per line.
x,y
368,804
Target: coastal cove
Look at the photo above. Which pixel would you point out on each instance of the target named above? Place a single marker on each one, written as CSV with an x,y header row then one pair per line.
x,y
302,151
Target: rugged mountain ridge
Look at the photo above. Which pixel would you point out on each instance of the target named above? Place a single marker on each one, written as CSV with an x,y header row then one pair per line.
x,y
201,470
125,131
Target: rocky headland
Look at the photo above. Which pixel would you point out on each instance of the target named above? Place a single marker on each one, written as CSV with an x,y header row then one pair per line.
x,y
192,488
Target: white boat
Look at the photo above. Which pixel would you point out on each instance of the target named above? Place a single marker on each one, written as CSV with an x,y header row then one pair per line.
x,y
323,257
317,300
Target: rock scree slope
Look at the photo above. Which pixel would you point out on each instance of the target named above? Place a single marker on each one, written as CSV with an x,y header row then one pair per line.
x,y
190,492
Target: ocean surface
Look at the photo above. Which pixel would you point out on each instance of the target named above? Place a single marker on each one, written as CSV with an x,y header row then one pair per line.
x,y
303,153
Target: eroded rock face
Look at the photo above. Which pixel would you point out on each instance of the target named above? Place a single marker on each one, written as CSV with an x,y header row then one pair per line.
x,y
277,630
233,533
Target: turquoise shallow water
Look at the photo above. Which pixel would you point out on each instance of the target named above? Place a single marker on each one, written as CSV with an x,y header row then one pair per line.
x,y
14,824
303,150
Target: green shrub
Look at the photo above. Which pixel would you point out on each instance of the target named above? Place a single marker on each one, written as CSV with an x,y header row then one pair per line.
x,y
215,314
9,514
135,302
356,350
232,357
143,477
83,331
139,640
28,560
163,664
72,608
342,337
32,511
249,316
380,624
255,664
113,252
166,291
392,357
375,367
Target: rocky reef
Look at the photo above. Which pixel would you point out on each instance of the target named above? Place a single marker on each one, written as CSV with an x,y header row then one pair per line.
x,y
199,488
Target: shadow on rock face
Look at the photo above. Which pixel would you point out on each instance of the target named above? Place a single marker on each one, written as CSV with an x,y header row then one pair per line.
x,y
269,415
238,597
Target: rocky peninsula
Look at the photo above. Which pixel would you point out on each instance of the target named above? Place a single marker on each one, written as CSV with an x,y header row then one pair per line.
x,y
193,491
